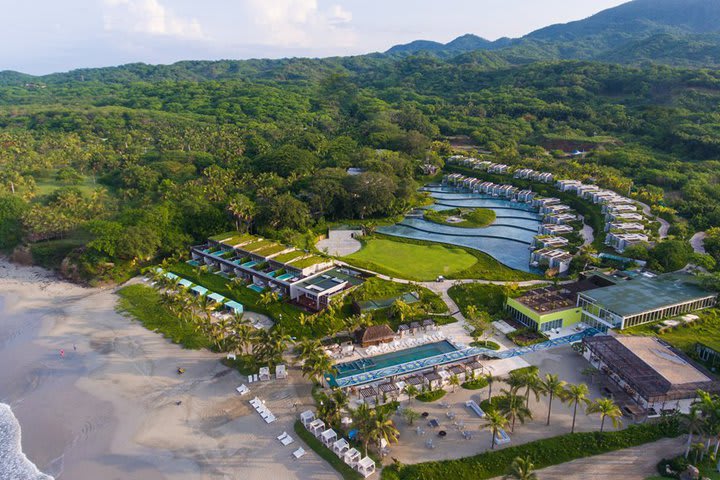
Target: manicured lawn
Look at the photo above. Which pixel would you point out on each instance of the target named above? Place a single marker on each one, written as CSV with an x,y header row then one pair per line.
x,y
143,303
488,298
411,261
471,217
47,185
705,330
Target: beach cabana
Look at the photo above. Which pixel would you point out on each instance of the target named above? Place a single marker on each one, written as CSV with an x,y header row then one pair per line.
x,y
306,417
458,371
185,283
366,467
375,335
352,457
264,373
415,327
328,437
280,372
316,427
389,389
403,330
199,290
433,379
234,306
340,447
368,393
216,297
428,324
171,276
474,368
415,380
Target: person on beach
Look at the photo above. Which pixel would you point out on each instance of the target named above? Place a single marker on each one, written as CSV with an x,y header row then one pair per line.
x,y
62,353
74,347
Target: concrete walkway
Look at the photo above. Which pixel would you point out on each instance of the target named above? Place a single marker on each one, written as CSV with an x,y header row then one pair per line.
x,y
636,463
664,225
698,242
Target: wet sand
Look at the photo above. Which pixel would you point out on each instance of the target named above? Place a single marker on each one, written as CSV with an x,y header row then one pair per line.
x,y
108,410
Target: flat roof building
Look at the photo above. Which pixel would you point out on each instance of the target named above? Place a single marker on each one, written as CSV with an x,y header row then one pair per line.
x,y
643,300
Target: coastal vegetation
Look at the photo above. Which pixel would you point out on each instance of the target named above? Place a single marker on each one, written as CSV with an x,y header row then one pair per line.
x,y
462,217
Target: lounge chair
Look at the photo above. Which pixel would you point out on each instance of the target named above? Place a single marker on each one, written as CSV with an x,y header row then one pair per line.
x,y
298,453
287,440
242,389
429,443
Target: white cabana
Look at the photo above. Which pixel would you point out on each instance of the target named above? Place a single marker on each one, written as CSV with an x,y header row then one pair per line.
x,y
366,467
328,437
264,373
340,447
280,372
306,417
352,457
316,427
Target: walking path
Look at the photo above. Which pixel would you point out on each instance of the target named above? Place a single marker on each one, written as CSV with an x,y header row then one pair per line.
x,y
698,242
636,463
664,225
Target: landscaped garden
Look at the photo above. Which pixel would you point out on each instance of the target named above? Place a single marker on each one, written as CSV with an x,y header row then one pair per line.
x,y
425,261
462,217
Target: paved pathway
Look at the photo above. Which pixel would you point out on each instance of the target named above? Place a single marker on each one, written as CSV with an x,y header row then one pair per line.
x,y
698,242
664,225
636,463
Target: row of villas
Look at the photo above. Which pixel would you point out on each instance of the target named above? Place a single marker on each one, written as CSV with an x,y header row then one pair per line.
x,y
500,168
624,224
305,279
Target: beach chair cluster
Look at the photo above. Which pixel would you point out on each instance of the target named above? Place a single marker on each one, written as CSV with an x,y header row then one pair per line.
x,y
264,374
339,446
285,439
405,343
264,412
243,389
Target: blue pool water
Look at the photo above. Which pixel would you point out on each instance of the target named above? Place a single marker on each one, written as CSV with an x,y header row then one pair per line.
x,y
256,288
285,276
349,369
507,240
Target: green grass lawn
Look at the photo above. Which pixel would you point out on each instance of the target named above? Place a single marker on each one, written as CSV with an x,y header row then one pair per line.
x,y
488,298
413,262
471,217
705,330
47,185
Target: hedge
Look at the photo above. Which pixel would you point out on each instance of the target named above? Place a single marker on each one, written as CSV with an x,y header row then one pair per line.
x,y
544,453
475,384
431,396
316,445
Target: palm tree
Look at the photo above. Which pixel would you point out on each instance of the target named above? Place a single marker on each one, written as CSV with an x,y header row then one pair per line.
x,y
607,409
401,310
243,210
307,347
454,380
695,423
553,387
380,427
576,395
527,379
316,366
331,406
411,391
522,469
495,421
410,415
513,407
490,379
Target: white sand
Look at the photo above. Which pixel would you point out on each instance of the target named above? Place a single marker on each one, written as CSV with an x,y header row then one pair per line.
x,y
108,409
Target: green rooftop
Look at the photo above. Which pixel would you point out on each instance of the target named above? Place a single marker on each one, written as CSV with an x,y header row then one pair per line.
x,y
309,261
644,294
233,238
270,249
252,247
286,257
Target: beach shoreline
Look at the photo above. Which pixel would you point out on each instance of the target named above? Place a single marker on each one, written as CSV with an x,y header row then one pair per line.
x,y
109,407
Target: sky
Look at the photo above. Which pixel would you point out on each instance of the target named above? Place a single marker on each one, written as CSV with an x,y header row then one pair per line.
x,y
45,36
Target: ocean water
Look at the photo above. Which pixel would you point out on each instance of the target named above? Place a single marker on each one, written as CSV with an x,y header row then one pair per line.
x,y
14,465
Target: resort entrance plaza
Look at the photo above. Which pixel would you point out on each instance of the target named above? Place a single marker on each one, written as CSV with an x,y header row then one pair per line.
x,y
508,239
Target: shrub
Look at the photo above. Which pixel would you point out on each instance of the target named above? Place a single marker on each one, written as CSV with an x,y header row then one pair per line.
x,y
485,344
526,336
431,395
476,384
677,465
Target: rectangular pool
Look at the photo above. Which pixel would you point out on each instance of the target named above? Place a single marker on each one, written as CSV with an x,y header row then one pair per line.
x,y
365,365
256,288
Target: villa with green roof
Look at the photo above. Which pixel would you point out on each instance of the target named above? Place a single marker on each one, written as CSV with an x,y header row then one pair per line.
x,y
305,278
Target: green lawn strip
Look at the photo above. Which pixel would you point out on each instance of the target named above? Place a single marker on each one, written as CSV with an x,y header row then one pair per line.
x,y
431,396
282,313
143,303
544,453
419,262
471,217
316,445
488,298
485,344
308,261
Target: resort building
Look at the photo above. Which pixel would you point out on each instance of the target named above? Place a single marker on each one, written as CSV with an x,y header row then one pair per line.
x,y
544,177
568,185
648,373
550,308
498,168
560,218
306,279
525,196
551,258
544,201
583,191
643,300
525,173
550,241
624,217
554,229
620,241
621,208
624,227
616,202
555,208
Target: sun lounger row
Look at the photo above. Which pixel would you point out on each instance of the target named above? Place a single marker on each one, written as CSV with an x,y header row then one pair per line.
x,y
285,439
403,344
264,412
242,389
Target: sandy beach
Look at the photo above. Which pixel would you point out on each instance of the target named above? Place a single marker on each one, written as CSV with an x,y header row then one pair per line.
x,y
109,409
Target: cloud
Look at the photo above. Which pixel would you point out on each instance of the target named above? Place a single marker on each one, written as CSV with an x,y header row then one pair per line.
x,y
148,17
302,23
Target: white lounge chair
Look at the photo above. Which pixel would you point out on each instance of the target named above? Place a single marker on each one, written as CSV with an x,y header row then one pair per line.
x,y
298,453
287,440
242,389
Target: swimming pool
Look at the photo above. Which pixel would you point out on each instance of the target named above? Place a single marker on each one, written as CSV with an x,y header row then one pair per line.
x,y
256,288
286,276
370,364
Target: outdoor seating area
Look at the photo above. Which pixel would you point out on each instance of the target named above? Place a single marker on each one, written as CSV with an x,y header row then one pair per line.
x,y
402,344
339,446
285,439
264,412
230,307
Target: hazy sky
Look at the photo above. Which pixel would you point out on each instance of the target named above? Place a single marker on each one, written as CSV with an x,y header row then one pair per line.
x,y
44,36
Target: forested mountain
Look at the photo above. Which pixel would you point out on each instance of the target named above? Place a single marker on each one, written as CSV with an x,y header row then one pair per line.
x,y
111,168
676,32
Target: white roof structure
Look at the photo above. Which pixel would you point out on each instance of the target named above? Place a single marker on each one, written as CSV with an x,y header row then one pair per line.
x,y
340,447
366,467
352,457
328,437
307,416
